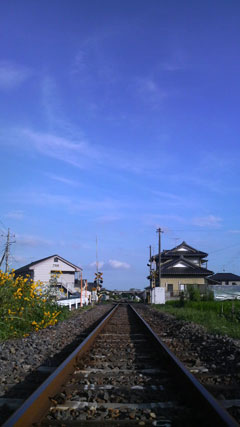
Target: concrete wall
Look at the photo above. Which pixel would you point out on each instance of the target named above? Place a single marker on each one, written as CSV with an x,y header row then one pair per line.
x,y
157,295
176,282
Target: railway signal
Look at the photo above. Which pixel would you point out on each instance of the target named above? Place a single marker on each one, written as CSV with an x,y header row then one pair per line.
x,y
98,278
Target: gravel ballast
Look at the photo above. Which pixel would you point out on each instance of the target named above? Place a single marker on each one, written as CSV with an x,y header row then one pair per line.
x,y
213,359
48,347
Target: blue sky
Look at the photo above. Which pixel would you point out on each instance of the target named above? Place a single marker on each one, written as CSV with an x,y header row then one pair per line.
x,y
116,118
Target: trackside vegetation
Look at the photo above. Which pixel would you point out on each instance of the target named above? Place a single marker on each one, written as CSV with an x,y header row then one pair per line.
x,y
25,307
218,317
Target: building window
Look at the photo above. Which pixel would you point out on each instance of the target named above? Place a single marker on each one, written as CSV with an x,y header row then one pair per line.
x,y
55,259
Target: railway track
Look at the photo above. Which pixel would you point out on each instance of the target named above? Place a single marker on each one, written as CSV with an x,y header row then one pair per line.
x,y
121,374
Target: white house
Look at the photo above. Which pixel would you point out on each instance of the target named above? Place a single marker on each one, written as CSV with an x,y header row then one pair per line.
x,y
46,268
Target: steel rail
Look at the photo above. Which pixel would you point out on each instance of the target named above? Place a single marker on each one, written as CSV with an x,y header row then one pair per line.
x,y
36,406
197,394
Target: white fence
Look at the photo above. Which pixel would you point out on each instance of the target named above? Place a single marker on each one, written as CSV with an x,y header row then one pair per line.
x,y
223,292
73,303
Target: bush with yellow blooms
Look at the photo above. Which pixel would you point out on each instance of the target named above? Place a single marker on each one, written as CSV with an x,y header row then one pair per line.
x,y
25,306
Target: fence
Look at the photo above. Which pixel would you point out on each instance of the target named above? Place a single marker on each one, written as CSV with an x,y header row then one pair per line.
x,y
73,303
224,292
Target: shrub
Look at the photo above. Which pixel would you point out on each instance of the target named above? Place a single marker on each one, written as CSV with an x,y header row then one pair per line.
x,y
193,293
208,296
25,306
181,299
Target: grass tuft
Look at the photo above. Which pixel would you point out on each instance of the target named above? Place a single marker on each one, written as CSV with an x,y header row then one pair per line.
x,y
218,317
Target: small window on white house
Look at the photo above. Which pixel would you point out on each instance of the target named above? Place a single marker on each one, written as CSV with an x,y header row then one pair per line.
x,y
56,259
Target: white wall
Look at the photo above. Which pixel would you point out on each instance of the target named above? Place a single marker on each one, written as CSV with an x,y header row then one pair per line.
x,y
157,295
42,272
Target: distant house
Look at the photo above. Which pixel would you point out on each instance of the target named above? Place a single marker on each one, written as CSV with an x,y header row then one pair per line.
x,y
46,268
224,279
181,266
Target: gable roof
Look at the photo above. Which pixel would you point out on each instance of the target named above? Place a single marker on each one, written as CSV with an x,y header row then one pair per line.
x,y
27,266
225,277
184,248
183,267
181,249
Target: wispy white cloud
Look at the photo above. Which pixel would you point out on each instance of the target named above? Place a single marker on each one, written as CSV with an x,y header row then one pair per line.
x,y
47,199
63,179
177,61
208,221
15,214
109,218
20,259
93,61
93,265
157,220
73,204
70,151
12,75
196,179
111,264
31,241
167,195
50,100
150,91
118,265
234,231
77,151
53,108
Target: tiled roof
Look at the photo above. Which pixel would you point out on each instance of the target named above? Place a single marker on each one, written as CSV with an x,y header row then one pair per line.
x,y
175,252
190,269
225,277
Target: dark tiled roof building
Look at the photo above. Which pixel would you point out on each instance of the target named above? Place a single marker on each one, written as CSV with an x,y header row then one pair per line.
x,y
181,266
224,279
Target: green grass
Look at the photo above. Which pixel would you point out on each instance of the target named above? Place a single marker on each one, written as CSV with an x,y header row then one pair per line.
x,y
217,317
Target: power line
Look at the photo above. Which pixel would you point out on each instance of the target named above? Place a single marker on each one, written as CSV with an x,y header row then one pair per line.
x,y
4,226
226,247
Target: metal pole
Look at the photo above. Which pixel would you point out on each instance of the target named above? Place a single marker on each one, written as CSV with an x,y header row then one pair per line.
x,y
150,266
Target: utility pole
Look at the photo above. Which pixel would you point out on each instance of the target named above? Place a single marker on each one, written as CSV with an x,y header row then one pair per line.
x,y
159,231
81,291
150,265
7,252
